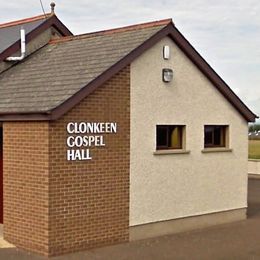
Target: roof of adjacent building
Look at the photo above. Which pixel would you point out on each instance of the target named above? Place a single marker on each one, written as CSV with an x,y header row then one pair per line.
x,y
10,32
54,79
33,26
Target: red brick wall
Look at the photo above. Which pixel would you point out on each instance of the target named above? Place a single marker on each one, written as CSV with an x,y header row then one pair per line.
x,y
89,200
53,206
26,179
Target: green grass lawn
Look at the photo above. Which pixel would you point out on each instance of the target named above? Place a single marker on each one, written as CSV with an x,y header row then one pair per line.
x,y
254,149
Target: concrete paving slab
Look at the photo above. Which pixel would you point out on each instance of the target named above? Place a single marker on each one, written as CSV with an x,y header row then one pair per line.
x,y
4,243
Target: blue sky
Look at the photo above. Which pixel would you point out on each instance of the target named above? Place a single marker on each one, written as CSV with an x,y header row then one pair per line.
x,y
226,33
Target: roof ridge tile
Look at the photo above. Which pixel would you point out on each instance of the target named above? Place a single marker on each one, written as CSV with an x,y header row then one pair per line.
x,y
114,30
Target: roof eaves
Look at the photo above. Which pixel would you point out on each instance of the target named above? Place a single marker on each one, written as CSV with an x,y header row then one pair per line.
x,y
30,116
211,74
187,48
63,108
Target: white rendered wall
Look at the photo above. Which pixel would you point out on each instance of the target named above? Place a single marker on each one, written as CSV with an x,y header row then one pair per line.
x,y
164,187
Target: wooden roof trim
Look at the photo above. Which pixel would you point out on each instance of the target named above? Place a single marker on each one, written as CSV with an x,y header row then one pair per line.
x,y
24,117
185,46
210,73
91,87
101,79
52,21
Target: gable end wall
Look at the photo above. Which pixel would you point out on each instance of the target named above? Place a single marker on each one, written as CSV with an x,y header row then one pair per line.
x,y
167,187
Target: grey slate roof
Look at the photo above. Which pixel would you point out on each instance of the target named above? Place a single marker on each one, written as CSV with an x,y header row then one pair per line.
x,y
53,74
11,34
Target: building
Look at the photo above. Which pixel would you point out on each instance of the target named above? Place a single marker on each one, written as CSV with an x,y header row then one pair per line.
x,y
114,136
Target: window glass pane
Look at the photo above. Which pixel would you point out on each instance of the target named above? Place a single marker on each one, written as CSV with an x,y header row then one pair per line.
x,y
169,137
176,137
208,135
214,136
217,135
162,139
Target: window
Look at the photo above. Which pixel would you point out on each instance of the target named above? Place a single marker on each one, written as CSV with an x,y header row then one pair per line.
x,y
169,137
215,136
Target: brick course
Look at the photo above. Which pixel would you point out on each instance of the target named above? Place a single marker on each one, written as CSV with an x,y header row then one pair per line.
x,y
89,200
54,206
26,184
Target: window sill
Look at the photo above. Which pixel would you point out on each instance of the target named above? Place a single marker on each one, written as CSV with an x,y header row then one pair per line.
x,y
177,151
216,150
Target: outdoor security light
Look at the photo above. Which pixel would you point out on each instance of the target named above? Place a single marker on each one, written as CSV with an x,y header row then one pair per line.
x,y
167,75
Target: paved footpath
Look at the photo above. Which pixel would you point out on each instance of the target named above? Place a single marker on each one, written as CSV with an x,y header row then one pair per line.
x,y
239,240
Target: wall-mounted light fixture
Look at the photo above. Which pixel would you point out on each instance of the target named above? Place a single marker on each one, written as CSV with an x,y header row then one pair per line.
x,y
167,75
166,52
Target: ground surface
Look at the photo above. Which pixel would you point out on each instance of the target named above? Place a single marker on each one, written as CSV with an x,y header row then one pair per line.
x,y
240,240
254,149
3,243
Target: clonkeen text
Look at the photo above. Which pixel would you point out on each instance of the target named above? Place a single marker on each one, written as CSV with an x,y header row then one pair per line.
x,y
84,135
